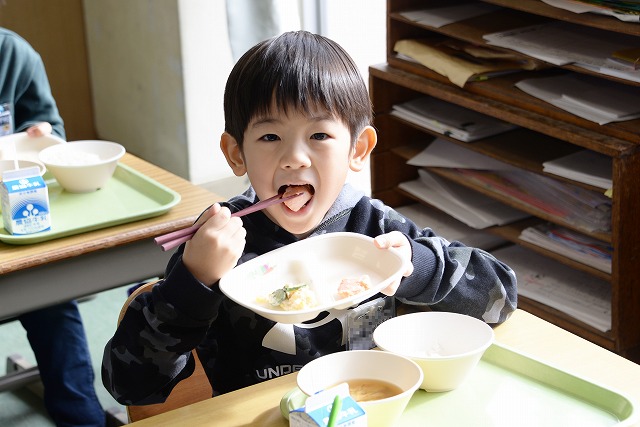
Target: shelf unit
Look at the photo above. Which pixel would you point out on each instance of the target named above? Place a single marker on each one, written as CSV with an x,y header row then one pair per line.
x,y
545,133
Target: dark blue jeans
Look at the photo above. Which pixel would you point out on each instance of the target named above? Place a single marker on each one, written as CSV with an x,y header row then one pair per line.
x,y
58,340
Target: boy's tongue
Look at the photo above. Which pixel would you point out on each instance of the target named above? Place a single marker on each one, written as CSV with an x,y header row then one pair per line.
x,y
298,202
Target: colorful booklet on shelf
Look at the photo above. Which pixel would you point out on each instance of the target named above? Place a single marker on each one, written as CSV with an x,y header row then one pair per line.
x,y
587,209
579,294
576,246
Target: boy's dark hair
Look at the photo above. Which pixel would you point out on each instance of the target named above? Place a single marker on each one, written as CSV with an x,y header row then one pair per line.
x,y
296,70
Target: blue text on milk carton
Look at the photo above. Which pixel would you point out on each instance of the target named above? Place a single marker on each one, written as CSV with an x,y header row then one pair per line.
x,y
25,202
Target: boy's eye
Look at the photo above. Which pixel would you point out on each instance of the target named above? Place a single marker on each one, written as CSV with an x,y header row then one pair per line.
x,y
270,137
320,136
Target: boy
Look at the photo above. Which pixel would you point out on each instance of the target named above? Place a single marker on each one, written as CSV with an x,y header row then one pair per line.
x,y
297,114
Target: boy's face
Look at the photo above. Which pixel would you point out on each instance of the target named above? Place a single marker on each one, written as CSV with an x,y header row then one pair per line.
x,y
297,149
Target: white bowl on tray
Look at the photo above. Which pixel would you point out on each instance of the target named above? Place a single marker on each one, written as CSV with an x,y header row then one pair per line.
x,y
82,166
446,346
321,262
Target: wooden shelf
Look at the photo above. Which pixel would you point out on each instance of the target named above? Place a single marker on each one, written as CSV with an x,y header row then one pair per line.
x,y
546,132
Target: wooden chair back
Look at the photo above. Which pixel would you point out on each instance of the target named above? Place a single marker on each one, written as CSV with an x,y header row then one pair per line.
x,y
188,391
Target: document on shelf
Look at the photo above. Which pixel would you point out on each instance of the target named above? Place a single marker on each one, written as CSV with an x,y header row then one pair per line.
x,y
584,166
573,245
448,227
562,43
593,99
450,119
462,62
440,16
580,295
444,154
580,7
470,207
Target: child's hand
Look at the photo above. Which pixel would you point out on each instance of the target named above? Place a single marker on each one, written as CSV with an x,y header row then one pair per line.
x,y
216,246
40,129
397,240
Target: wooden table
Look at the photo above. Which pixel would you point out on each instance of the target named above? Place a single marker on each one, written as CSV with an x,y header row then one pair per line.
x,y
258,405
41,274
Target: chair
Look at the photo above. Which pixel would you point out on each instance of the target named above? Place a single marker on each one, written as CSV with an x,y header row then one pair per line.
x,y
188,391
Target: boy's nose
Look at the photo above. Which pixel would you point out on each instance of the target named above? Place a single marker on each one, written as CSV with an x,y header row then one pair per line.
x,y
295,156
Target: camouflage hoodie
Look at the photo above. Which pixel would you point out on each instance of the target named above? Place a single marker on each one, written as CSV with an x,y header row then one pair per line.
x,y
150,351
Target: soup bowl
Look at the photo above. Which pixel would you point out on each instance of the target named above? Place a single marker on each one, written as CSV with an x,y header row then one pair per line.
x,y
446,346
370,371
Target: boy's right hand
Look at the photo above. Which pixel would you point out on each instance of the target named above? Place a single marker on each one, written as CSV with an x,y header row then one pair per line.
x,y
217,245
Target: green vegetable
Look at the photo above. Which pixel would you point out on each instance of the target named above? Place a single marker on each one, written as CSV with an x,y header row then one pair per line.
x,y
279,295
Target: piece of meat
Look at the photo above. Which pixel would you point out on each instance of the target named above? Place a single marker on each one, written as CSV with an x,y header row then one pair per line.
x,y
298,202
349,286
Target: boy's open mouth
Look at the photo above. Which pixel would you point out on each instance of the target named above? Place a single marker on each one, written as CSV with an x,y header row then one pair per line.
x,y
306,192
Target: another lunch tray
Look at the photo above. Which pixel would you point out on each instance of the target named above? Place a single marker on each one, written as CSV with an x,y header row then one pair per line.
x,y
510,389
128,196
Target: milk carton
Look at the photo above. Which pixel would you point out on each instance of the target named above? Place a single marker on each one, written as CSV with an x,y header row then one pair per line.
x,y
318,407
25,202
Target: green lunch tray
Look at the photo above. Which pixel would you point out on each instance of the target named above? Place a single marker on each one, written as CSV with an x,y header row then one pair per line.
x,y
128,196
508,388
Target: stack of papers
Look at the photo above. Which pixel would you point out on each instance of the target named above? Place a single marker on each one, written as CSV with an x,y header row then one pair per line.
x,y
574,292
562,43
450,228
588,97
470,207
571,244
578,6
450,119
441,153
584,166
438,17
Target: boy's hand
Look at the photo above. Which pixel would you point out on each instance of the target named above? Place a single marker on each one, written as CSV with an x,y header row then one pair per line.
x,y
397,240
40,129
216,246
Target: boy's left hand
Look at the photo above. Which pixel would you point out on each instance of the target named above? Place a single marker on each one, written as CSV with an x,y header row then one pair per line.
x,y
397,240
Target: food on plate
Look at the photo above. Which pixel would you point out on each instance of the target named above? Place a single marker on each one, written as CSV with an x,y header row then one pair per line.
x,y
349,286
292,297
295,204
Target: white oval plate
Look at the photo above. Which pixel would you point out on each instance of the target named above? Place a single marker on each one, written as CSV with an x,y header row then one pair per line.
x,y
321,262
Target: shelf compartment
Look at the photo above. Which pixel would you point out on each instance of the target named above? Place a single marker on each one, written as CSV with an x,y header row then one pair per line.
x,y
473,29
499,98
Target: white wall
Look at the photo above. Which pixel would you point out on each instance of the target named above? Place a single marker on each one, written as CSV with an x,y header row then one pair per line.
x,y
359,26
158,70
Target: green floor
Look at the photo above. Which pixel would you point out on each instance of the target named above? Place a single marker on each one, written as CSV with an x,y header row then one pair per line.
x,y
100,314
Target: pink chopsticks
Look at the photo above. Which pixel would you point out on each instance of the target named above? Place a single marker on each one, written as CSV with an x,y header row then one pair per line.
x,y
174,239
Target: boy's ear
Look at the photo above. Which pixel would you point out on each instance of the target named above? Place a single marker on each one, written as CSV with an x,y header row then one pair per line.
x,y
365,143
232,153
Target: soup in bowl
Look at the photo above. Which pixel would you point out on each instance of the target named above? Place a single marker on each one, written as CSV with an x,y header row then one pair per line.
x,y
381,382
